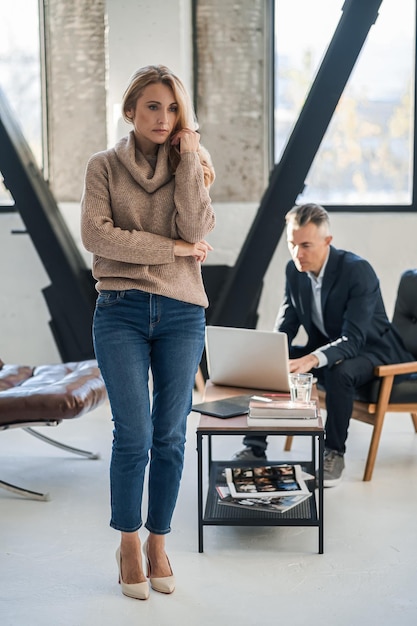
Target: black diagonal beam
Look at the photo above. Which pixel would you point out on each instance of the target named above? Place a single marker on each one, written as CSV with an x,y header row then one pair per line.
x,y
287,179
70,297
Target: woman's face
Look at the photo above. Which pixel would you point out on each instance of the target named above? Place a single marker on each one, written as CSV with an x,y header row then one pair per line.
x,y
154,117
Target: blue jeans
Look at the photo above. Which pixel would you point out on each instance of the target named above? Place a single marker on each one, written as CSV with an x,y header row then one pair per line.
x,y
136,333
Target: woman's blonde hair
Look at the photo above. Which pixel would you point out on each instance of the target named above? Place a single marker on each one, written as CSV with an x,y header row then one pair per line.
x,y
186,118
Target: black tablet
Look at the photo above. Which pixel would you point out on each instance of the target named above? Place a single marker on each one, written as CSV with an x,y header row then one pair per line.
x,y
228,407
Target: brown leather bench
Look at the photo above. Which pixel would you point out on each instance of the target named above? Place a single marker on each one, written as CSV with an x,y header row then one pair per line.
x,y
46,395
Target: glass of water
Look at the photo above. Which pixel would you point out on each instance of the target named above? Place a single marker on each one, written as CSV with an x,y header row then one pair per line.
x,y
300,387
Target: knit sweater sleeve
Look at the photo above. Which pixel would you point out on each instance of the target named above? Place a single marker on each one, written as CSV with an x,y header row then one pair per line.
x,y
195,216
99,233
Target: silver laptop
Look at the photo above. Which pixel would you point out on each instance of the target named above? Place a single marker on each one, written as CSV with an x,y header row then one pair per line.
x,y
241,357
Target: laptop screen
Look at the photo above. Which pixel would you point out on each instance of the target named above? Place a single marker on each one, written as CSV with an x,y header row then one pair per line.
x,y
242,357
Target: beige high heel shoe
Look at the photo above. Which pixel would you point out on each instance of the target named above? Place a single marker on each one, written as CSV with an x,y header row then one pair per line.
x,y
139,591
164,584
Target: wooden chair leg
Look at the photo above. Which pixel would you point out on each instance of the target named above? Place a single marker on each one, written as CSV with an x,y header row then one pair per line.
x,y
372,452
200,382
384,395
288,443
414,418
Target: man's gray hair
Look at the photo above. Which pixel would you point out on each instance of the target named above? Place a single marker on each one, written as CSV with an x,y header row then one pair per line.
x,y
306,213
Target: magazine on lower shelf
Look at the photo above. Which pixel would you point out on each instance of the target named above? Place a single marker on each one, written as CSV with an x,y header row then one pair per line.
x,y
265,481
266,505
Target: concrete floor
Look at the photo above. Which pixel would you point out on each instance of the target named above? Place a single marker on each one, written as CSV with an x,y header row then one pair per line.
x,y
57,565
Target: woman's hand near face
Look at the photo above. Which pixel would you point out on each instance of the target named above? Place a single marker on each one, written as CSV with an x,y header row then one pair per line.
x,y
186,139
198,250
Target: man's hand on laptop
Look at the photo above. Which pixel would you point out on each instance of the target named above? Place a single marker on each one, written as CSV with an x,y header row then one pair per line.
x,y
303,364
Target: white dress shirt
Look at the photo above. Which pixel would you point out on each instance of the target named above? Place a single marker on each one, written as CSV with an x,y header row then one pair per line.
x,y
316,309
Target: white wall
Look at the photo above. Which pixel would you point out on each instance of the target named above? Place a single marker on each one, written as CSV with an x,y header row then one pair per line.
x,y
24,332
388,241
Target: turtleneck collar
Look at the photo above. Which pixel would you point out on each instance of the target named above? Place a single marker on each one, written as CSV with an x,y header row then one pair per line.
x,y
138,166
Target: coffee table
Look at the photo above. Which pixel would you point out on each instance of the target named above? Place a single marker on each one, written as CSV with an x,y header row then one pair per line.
x,y
307,513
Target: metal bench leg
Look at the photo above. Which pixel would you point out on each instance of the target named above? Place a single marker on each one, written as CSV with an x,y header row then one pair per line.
x,y
27,493
62,446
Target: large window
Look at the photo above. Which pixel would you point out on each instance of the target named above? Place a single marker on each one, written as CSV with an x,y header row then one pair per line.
x,y
366,156
20,79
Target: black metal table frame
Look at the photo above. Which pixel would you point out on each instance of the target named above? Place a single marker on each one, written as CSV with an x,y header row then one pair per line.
x,y
317,436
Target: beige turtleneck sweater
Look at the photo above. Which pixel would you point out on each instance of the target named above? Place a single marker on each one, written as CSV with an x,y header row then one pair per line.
x,y
131,215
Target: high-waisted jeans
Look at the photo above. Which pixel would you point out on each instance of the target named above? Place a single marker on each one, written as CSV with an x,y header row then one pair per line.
x,y
136,333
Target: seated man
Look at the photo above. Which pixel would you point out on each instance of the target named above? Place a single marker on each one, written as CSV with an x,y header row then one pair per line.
x,y
335,296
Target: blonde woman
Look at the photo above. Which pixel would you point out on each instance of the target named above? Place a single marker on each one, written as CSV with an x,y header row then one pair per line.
x,y
146,211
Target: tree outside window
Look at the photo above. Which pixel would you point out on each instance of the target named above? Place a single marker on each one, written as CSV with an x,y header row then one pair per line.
x,y
366,156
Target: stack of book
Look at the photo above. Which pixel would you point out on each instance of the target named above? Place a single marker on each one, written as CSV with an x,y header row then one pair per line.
x,y
272,411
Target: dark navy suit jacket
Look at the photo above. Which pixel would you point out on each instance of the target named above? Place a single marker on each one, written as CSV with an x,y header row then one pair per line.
x,y
353,312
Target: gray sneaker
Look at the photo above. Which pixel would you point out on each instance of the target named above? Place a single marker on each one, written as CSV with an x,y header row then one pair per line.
x,y
333,467
247,454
